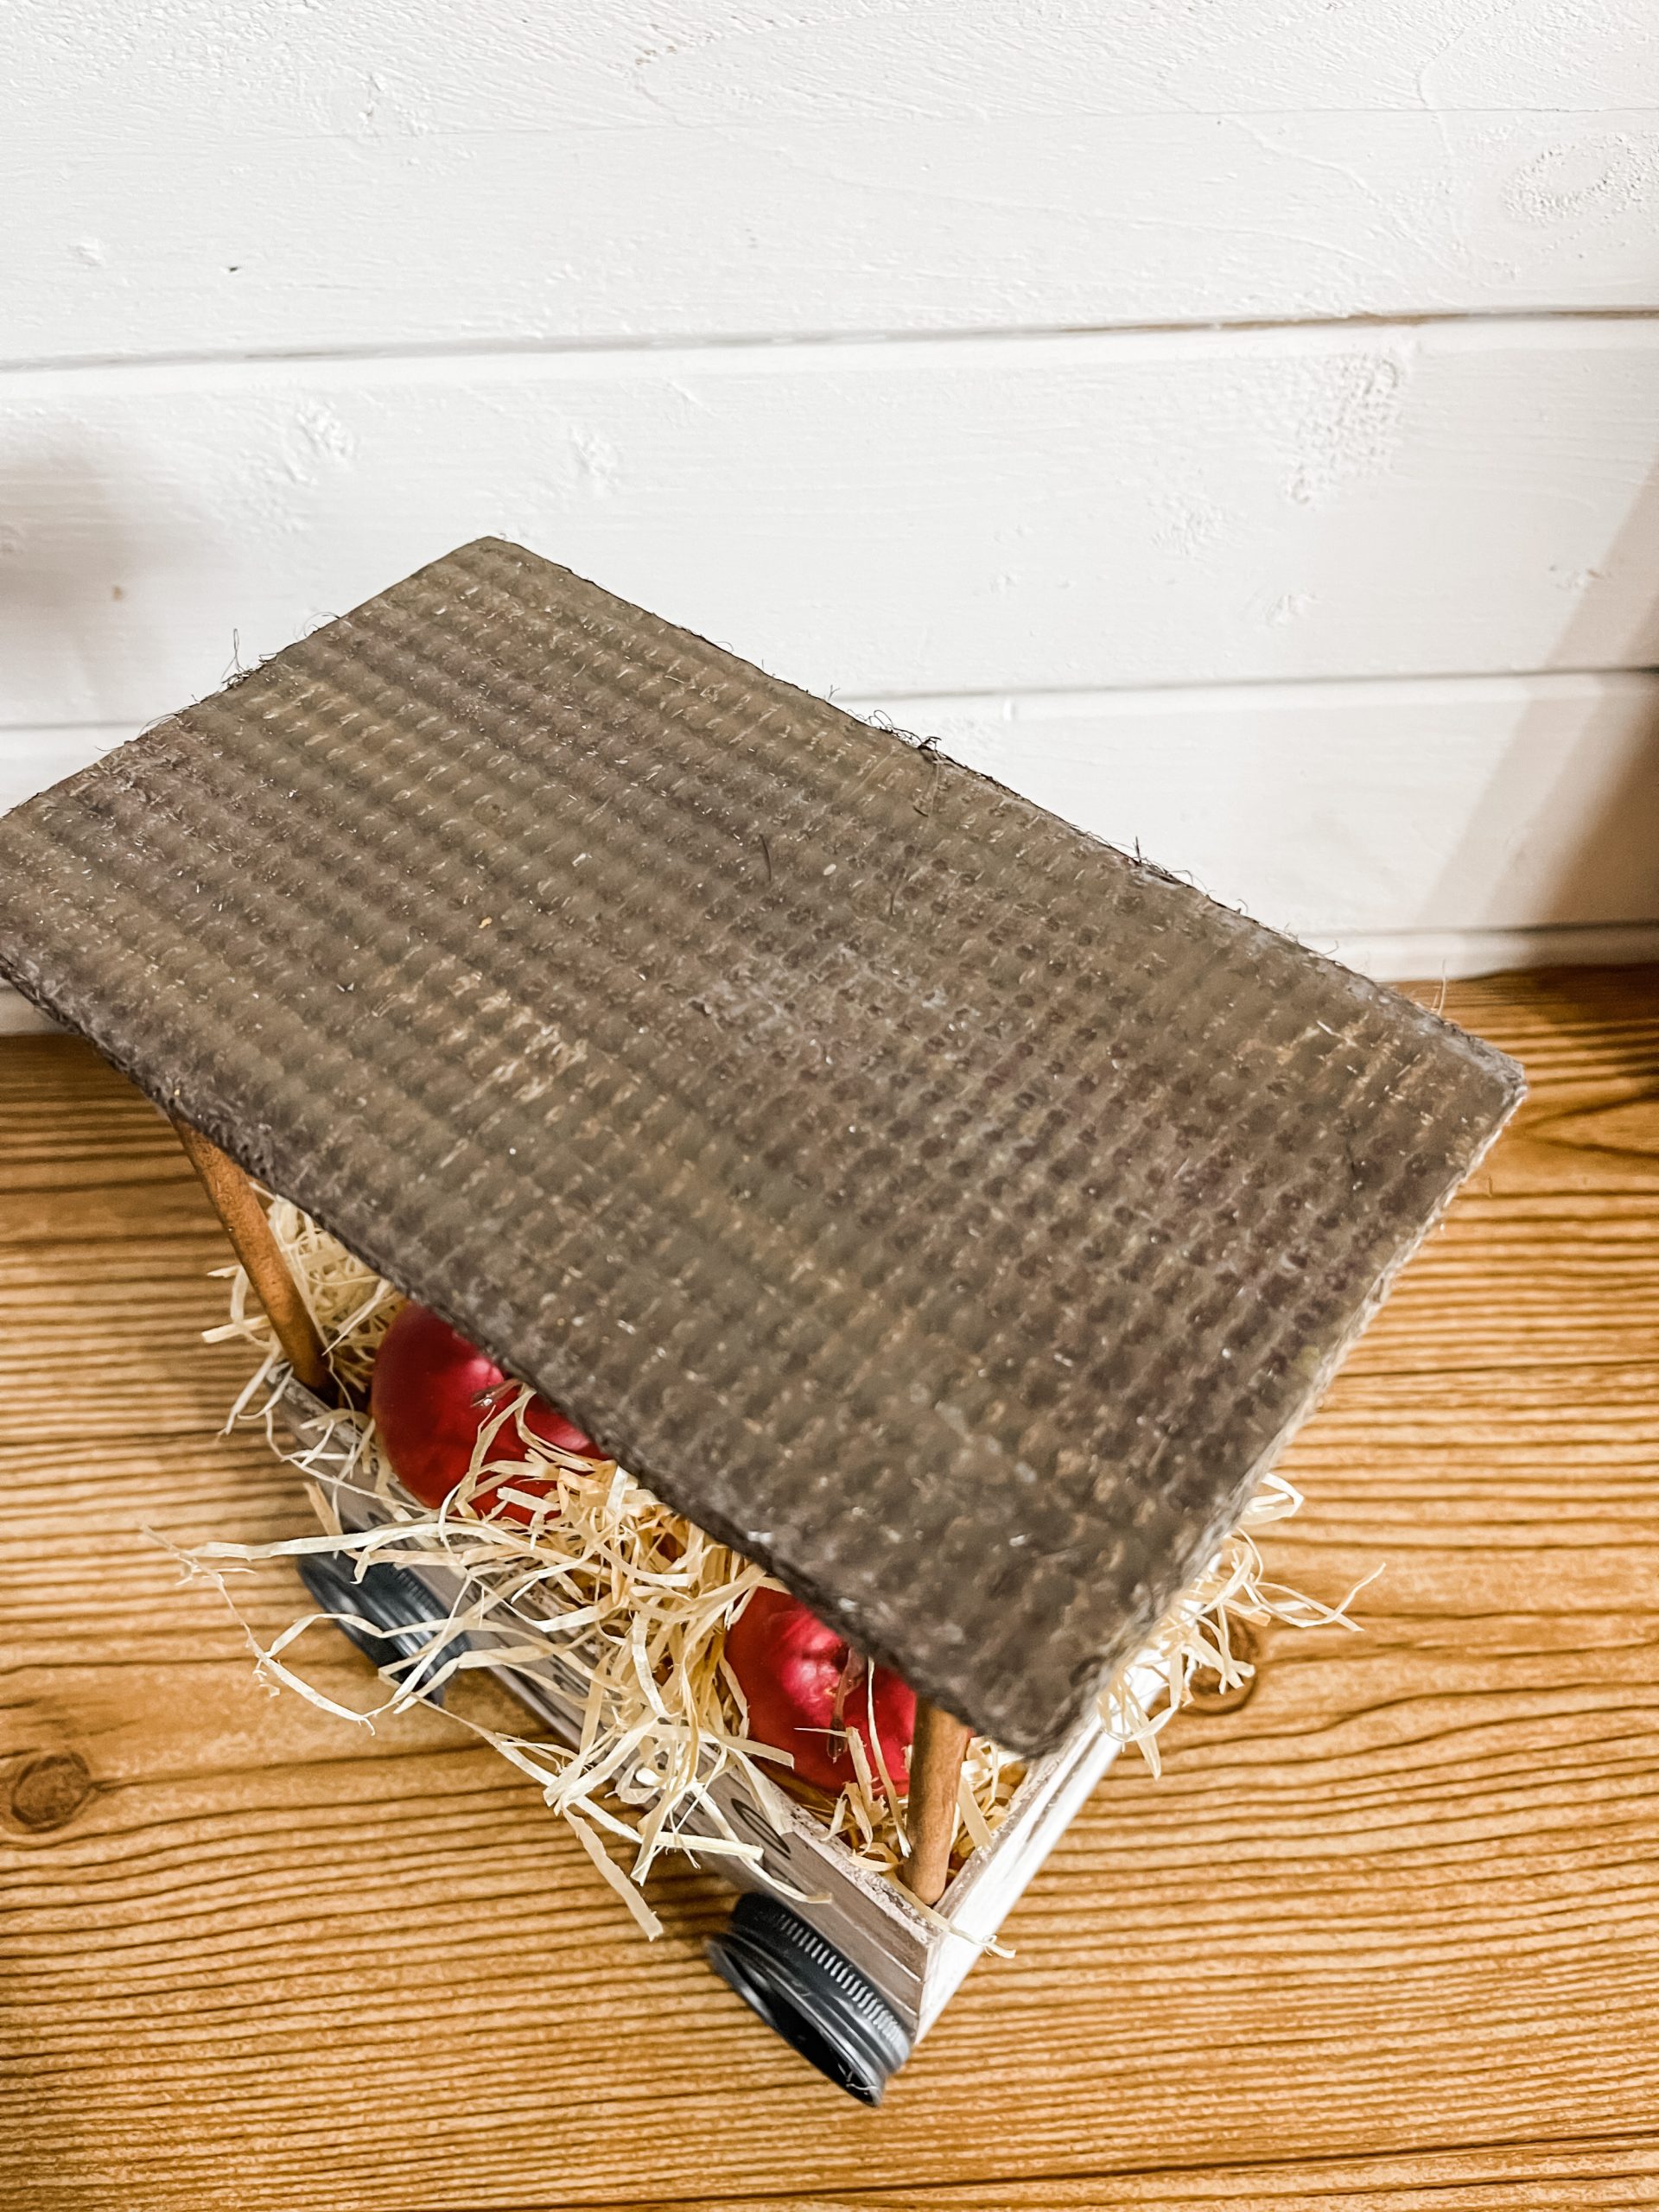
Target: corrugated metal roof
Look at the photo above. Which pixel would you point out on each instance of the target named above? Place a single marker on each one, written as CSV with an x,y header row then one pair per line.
x,y
947,1210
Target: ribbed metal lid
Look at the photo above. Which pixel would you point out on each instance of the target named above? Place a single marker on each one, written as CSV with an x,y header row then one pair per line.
x,y
947,1210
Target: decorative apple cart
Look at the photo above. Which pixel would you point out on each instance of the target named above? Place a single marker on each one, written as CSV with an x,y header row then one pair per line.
x,y
941,1218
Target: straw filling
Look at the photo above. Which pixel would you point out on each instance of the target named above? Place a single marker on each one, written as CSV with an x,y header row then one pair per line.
x,y
628,1604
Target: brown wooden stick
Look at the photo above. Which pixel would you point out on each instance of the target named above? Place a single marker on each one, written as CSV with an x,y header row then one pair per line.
x,y
936,1758
238,1206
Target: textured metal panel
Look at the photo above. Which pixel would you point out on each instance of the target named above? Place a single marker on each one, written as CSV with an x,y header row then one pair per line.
x,y
946,1210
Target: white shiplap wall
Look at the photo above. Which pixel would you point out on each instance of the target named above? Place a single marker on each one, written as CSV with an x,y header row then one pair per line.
x,y
1237,427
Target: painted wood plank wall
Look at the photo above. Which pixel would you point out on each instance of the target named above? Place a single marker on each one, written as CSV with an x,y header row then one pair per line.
x,y
879,341
229,175
995,515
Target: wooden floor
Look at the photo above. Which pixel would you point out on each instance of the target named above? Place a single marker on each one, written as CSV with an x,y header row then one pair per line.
x,y
1387,1935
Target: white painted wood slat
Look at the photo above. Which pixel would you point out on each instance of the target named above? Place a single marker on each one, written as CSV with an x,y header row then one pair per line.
x,y
575,237
1349,812
199,179
1410,828
916,516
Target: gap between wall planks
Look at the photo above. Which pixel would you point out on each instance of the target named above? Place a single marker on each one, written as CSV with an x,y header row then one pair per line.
x,y
722,174
1404,1900
1055,512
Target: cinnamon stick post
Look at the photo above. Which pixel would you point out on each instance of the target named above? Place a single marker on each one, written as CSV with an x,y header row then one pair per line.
x,y
238,1206
936,1758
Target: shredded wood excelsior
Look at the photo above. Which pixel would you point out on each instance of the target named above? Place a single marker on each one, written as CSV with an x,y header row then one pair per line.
x,y
633,1602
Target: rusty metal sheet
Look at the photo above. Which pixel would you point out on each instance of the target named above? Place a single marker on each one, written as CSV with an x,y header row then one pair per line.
x,y
945,1208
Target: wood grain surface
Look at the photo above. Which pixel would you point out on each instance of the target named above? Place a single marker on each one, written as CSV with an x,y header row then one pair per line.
x,y
1388,1935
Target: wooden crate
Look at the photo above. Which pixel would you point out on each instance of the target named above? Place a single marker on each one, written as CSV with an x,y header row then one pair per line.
x,y
916,1959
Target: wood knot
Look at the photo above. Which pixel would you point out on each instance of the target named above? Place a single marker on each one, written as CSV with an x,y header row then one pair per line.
x,y
49,1789
1205,1693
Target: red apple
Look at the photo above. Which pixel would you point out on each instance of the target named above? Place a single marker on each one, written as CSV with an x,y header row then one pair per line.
x,y
805,1687
431,1394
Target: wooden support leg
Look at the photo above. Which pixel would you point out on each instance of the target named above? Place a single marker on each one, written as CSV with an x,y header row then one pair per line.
x,y
238,1206
936,1758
